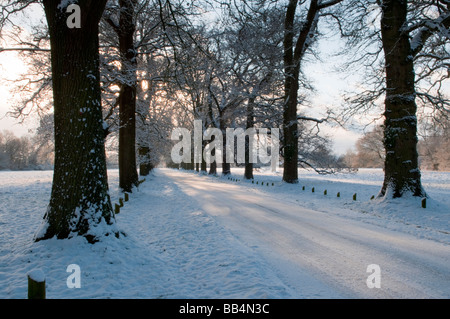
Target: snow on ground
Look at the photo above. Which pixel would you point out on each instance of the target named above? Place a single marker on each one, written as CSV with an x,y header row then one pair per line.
x,y
172,249
336,240
406,215
175,249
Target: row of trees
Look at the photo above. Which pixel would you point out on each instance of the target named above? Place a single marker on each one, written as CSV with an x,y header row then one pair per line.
x,y
19,153
433,148
138,68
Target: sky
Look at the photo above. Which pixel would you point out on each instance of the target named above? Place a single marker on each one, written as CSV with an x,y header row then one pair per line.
x,y
329,86
11,66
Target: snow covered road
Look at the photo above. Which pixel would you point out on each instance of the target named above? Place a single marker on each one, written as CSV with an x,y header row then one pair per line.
x,y
195,236
322,254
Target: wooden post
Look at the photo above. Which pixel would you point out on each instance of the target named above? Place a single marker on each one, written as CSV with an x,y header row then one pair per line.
x,y
313,190
36,284
339,194
424,202
121,202
354,196
117,208
325,192
127,197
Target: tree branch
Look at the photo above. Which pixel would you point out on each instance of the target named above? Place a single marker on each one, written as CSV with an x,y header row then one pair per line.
x,y
24,49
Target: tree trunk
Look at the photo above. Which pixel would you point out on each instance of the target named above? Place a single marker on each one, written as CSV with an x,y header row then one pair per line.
x,y
402,174
203,165
128,176
293,55
213,164
248,173
290,128
80,197
226,167
145,164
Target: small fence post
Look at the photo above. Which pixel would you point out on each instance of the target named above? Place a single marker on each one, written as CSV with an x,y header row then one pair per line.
x,y
36,284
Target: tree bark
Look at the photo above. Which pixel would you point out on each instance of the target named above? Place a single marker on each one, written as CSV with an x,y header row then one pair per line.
x,y
293,55
402,174
145,164
290,128
203,165
128,176
290,139
213,164
226,167
248,172
80,198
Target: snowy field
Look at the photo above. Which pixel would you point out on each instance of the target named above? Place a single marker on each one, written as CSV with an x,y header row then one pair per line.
x,y
178,247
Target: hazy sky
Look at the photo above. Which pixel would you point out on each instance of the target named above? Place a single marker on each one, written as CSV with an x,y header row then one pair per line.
x,y
10,68
329,85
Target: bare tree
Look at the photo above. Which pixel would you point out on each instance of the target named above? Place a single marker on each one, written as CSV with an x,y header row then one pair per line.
x,y
80,199
409,51
434,144
297,40
124,27
254,39
369,151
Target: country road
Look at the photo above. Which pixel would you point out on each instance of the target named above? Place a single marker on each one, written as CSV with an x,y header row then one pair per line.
x,y
321,251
